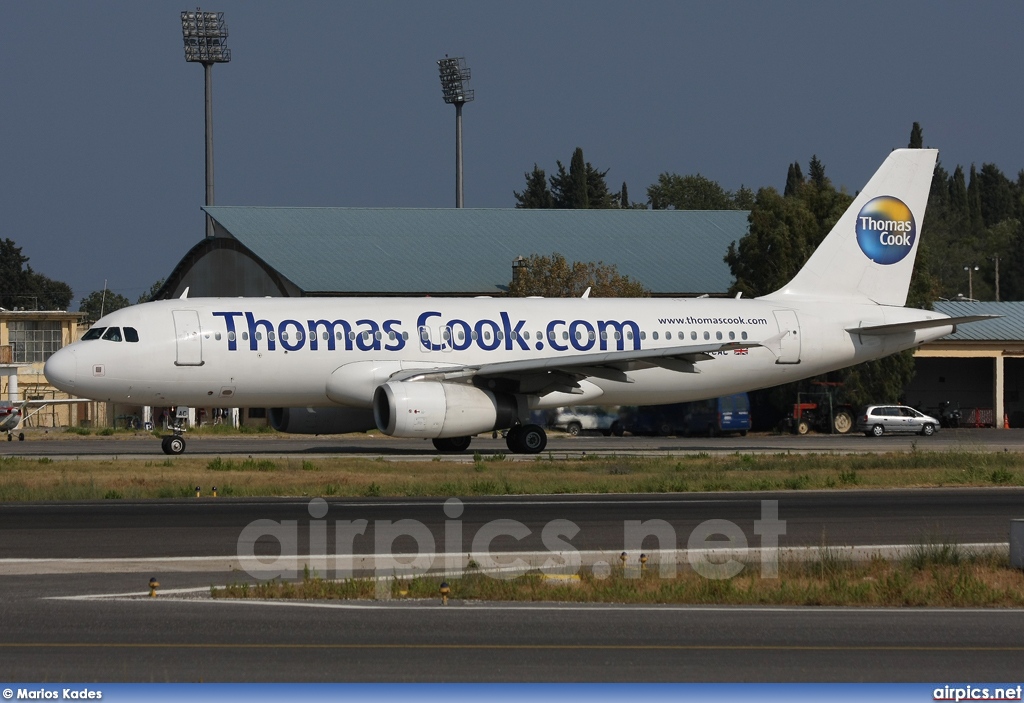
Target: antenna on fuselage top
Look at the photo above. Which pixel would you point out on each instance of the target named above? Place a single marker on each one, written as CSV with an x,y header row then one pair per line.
x,y
184,293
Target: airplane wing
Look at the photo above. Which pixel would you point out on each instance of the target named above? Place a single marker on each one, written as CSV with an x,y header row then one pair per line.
x,y
563,373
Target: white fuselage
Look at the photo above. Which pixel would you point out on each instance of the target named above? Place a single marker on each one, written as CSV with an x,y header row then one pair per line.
x,y
297,352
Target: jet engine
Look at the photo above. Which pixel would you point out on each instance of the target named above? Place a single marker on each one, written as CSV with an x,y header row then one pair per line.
x,y
432,409
321,420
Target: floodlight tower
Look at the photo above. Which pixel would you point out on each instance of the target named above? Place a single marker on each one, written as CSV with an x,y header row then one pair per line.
x,y
454,74
206,36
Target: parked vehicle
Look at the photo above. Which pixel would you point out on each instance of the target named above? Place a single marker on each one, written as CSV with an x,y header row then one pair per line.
x,y
877,420
576,419
729,413
820,410
949,415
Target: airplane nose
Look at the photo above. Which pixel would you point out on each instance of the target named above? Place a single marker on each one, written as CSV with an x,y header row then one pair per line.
x,y
61,369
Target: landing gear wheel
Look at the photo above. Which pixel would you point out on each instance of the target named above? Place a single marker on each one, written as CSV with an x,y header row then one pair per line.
x,y
21,436
173,445
532,439
9,437
842,423
452,444
526,439
512,439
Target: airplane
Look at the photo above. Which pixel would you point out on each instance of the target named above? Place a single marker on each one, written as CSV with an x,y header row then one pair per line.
x,y
12,413
448,369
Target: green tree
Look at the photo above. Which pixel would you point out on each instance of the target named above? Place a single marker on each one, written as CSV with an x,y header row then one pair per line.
x,y
101,302
581,187
536,193
775,247
794,179
996,195
555,277
151,293
743,199
817,172
675,192
916,137
974,202
21,287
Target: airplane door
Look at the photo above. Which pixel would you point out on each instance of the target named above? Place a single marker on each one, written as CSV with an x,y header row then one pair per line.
x,y
790,344
188,338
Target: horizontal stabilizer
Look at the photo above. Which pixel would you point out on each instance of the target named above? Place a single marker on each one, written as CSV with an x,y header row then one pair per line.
x,y
899,327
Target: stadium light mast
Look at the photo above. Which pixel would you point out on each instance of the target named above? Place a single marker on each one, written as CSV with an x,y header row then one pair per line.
x,y
454,75
206,36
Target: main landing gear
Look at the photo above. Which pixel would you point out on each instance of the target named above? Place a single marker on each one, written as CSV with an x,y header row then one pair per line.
x,y
526,439
452,444
521,439
21,436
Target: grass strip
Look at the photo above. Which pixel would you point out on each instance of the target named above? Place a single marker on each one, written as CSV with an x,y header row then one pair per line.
x,y
28,479
934,576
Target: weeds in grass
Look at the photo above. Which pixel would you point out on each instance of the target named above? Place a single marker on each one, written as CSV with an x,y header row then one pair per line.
x,y
928,554
827,580
1001,477
79,431
84,478
258,465
848,477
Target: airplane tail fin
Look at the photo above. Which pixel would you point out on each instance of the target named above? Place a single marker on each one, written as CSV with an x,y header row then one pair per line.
x,y
869,254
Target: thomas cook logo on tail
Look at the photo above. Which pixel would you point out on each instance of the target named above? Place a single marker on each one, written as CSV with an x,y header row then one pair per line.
x,y
886,230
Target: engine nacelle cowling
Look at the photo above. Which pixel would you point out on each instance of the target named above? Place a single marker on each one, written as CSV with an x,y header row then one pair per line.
x,y
321,420
438,410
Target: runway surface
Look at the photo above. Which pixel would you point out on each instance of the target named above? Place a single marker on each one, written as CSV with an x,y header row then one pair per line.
x,y
212,527
53,627
176,640
145,445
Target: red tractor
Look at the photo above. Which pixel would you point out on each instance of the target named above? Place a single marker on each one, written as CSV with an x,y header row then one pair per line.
x,y
818,410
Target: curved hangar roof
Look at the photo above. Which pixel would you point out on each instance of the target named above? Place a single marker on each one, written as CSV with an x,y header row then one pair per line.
x,y
458,251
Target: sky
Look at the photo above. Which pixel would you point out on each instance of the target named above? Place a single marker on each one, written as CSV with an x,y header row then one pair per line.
x,y
339,104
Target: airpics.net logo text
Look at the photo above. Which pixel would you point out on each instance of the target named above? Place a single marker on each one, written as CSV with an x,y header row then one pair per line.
x,y
886,230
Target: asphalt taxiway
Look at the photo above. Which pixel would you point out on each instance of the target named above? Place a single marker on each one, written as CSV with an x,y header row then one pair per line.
x,y
85,622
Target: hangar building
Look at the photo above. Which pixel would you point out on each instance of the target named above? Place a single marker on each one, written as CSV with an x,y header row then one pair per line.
x,y
275,251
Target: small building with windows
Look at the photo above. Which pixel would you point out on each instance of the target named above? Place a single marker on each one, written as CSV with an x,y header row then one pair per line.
x,y
27,339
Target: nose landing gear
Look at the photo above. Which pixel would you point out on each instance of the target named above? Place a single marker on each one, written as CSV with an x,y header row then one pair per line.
x,y
174,444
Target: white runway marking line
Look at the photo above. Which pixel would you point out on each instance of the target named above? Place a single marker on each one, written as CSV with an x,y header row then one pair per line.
x,y
533,559
474,606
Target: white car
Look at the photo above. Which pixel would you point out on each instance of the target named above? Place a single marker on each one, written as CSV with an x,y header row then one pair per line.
x,y
576,419
877,420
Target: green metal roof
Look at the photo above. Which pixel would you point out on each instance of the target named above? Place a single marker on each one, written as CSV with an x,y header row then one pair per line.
x,y
1008,328
368,250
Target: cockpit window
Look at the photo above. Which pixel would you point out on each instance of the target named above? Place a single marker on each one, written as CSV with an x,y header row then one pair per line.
x,y
113,334
130,334
94,333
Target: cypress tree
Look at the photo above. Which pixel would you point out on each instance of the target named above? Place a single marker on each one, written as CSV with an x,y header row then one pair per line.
x,y
794,179
916,137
